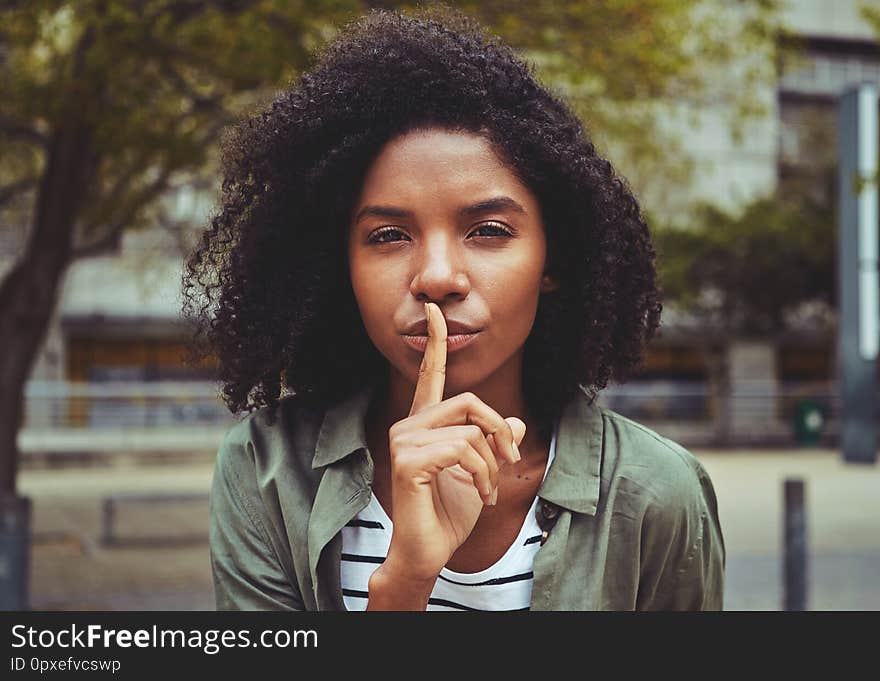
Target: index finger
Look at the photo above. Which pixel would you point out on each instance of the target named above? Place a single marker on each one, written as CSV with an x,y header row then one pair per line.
x,y
432,372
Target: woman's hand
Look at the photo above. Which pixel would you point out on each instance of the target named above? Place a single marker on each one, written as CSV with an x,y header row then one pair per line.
x,y
445,458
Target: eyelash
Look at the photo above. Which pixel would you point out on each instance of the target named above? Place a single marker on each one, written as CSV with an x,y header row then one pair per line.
x,y
374,237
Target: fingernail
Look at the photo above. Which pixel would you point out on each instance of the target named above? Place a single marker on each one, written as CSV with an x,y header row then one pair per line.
x,y
494,499
427,313
516,452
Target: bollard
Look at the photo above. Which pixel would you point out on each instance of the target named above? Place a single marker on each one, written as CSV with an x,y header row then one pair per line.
x,y
795,547
15,549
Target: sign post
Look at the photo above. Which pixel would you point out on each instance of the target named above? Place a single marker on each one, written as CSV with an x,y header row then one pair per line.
x,y
858,284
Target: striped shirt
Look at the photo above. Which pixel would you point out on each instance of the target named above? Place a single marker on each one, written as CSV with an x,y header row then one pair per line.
x,y
506,585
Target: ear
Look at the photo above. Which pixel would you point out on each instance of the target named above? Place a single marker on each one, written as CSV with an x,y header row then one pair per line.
x,y
548,284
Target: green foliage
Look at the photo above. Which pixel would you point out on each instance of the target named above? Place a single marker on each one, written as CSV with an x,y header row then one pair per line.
x,y
637,70
871,13
748,272
157,80
154,82
744,272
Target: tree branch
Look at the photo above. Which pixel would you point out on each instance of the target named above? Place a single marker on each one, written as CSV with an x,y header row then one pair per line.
x,y
175,228
111,236
12,128
120,187
187,9
183,87
119,219
10,191
106,243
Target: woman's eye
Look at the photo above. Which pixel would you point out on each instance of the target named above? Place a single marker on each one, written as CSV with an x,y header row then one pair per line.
x,y
385,236
491,229
389,235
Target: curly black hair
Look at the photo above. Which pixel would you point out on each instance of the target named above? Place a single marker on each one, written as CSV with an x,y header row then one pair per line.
x,y
268,284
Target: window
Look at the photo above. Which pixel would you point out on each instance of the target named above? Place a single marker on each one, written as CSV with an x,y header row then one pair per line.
x,y
809,89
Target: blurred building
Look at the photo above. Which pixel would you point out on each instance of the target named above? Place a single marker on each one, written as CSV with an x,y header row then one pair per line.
x,y
118,320
752,390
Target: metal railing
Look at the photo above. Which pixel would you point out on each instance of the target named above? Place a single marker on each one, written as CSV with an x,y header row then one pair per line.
x,y
161,404
756,412
661,400
690,410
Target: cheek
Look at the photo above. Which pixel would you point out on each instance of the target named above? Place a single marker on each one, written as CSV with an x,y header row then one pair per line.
x,y
513,293
515,281
515,305
372,288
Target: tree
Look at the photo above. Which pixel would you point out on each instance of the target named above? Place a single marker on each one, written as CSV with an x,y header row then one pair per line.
x,y
106,103
872,15
639,72
772,264
750,273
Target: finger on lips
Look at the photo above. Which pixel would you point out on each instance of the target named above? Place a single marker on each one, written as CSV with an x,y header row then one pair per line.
x,y
481,449
432,373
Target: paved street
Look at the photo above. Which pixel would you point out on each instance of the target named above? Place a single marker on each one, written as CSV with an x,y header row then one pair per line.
x,y
162,562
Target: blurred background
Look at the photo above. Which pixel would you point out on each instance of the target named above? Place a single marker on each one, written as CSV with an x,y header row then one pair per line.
x,y
723,116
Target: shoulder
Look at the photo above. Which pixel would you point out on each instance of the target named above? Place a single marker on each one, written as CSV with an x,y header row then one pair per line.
x,y
268,436
665,471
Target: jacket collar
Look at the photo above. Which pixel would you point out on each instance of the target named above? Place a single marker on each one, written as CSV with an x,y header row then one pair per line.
x,y
574,477
572,482
343,430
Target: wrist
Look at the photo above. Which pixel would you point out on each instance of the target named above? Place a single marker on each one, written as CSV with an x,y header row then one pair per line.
x,y
392,587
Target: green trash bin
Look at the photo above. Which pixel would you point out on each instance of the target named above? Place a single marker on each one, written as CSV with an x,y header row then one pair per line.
x,y
809,422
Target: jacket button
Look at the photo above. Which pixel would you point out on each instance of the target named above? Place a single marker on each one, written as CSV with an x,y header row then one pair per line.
x,y
549,511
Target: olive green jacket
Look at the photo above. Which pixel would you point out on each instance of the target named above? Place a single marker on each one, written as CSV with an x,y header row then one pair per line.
x,y
634,516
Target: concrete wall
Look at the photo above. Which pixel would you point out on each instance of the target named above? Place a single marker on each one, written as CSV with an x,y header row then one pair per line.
x,y
829,18
731,171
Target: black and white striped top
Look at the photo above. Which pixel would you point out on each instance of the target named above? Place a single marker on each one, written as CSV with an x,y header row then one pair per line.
x,y
506,585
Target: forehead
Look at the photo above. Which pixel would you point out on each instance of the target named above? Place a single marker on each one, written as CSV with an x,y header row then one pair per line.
x,y
425,163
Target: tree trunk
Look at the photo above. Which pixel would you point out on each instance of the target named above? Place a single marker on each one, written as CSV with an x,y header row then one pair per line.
x,y
30,291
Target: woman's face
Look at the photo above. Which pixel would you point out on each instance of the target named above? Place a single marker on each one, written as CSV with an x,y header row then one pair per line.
x,y
441,219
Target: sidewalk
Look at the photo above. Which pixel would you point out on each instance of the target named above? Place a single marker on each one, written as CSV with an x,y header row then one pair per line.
x,y
842,503
71,570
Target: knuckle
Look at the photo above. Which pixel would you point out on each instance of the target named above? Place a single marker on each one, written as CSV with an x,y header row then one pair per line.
x,y
504,430
401,430
395,440
473,433
401,464
474,467
461,445
400,474
398,444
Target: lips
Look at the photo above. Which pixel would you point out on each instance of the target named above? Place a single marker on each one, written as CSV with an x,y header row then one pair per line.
x,y
453,341
459,334
453,328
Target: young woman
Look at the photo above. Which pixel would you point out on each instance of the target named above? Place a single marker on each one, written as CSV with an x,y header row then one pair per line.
x,y
420,277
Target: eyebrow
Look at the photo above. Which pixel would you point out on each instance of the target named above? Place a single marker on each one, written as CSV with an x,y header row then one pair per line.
x,y
493,204
489,205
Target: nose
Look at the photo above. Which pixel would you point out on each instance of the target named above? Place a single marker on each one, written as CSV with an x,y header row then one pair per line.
x,y
439,271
